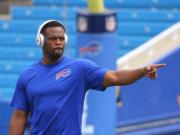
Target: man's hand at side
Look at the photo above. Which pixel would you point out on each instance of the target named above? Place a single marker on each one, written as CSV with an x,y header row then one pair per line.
x,y
18,123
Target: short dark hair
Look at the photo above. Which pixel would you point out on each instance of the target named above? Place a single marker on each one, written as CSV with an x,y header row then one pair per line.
x,y
52,24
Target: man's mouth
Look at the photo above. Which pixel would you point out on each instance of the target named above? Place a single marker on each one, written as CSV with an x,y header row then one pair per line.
x,y
58,49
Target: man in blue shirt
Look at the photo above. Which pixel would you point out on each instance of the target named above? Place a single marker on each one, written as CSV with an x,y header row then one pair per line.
x,y
50,94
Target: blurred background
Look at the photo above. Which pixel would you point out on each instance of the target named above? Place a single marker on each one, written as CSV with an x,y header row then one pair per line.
x,y
147,31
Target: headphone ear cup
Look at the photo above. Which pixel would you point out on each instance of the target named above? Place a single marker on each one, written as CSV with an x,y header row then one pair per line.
x,y
40,40
66,38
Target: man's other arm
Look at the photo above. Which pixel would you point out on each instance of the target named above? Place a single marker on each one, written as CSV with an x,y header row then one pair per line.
x,y
18,122
124,77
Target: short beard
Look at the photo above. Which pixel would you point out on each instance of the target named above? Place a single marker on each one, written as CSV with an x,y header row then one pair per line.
x,y
52,56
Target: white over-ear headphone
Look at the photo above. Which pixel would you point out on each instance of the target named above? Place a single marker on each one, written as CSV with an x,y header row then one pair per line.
x,y
40,36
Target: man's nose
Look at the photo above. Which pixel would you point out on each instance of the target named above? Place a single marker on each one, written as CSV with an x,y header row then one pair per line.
x,y
59,41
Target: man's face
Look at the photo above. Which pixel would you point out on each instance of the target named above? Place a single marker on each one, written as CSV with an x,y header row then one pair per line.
x,y
54,42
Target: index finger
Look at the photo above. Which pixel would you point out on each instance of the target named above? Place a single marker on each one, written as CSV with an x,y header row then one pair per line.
x,y
160,65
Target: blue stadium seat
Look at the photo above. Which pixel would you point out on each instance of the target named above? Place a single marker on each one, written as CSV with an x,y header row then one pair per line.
x,y
122,52
19,40
145,15
143,3
29,26
114,3
14,66
79,3
140,28
8,80
6,93
19,26
40,12
128,43
21,53
131,42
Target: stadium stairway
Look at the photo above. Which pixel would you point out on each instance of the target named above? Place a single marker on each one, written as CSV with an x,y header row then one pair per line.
x,y
138,21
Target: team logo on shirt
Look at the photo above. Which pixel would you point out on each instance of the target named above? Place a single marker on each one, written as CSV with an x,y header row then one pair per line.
x,y
63,73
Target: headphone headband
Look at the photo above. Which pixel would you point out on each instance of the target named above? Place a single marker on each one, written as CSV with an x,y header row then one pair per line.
x,y
40,36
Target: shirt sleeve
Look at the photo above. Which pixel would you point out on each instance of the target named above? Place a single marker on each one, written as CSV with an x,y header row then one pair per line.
x,y
94,75
19,100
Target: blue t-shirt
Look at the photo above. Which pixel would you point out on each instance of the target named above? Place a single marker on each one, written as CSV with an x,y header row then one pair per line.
x,y
54,94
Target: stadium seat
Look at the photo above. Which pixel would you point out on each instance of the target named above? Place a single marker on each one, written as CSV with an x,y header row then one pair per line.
x,y
19,26
6,94
29,26
14,66
114,3
146,15
131,42
19,53
8,80
15,39
140,28
79,3
40,12
143,3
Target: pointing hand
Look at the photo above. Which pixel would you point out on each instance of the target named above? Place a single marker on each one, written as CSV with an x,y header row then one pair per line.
x,y
151,70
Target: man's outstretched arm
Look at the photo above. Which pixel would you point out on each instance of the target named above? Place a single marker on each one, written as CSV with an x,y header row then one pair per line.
x,y
124,77
18,122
